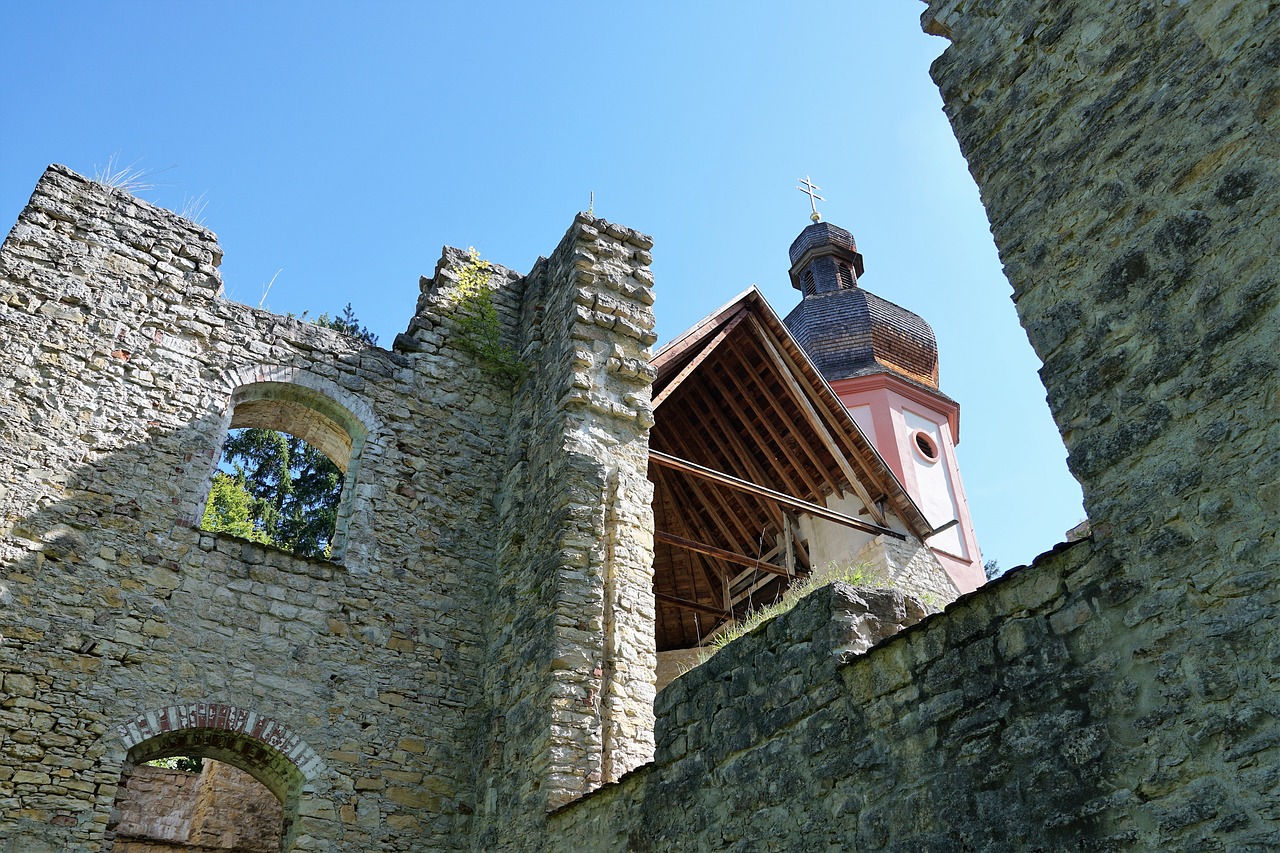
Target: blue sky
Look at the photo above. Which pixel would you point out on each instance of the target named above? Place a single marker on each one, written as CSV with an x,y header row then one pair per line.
x,y
337,147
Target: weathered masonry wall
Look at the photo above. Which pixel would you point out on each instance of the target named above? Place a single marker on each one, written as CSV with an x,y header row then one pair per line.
x,y
157,809
1122,693
570,674
351,687
480,651
961,733
122,364
1149,137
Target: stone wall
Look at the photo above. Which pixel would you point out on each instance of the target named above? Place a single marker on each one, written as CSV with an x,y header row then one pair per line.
x,y
234,812
482,651
123,365
156,806
570,676
351,687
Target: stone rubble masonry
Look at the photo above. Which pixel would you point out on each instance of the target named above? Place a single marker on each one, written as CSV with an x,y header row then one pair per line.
x,y
911,566
234,812
483,651
127,632
571,667
157,807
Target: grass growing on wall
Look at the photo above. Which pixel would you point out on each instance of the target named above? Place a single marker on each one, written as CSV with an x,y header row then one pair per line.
x,y
854,574
480,332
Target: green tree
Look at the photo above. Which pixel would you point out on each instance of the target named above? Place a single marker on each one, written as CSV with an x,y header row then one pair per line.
x,y
347,323
276,488
292,487
230,509
992,569
186,763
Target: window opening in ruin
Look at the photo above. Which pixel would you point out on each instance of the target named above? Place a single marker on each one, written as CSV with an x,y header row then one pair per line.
x,y
178,762
205,806
275,488
285,474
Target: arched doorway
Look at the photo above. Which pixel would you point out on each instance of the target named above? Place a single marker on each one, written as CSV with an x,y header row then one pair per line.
x,y
182,805
221,734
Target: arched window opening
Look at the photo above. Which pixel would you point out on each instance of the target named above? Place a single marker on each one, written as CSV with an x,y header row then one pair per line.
x,y
287,462
206,807
274,488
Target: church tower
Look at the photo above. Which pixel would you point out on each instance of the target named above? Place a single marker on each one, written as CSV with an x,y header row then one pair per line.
x,y
882,362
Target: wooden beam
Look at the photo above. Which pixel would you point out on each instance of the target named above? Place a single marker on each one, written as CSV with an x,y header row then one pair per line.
x,y
713,551
712,578
935,531
801,552
816,510
738,451
744,393
717,417
670,387
752,588
726,515
683,604
773,402
788,543
741,577
802,399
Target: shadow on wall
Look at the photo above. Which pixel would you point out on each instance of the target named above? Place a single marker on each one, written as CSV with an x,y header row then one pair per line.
x,y
111,612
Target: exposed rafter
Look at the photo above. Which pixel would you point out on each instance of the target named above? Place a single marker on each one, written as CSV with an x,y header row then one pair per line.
x,y
720,478
720,553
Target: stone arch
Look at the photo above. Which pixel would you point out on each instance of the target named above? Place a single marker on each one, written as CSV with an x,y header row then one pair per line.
x,y
327,416
259,745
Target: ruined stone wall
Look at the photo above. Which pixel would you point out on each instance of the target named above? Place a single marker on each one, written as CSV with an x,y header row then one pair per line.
x,y
783,738
157,806
1129,158
220,808
117,393
1121,693
570,676
351,687
233,811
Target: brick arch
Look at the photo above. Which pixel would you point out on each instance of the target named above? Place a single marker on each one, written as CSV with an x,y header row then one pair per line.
x,y
259,745
356,408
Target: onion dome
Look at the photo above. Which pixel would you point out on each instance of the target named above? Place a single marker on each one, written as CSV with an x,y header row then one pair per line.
x,y
846,330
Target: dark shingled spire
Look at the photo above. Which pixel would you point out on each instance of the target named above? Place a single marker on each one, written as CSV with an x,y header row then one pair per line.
x,y
845,330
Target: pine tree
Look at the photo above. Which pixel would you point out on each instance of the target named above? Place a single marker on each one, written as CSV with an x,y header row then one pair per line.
x,y
293,488
230,509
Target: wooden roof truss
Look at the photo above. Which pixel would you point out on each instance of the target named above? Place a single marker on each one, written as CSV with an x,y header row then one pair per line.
x,y
748,437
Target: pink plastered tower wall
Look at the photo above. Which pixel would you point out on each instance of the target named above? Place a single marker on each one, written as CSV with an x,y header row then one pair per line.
x,y
894,413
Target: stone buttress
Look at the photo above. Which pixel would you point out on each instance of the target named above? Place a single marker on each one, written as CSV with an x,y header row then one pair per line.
x,y
355,688
570,674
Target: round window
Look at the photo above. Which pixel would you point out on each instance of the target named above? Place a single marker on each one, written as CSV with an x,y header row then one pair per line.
x,y
926,446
